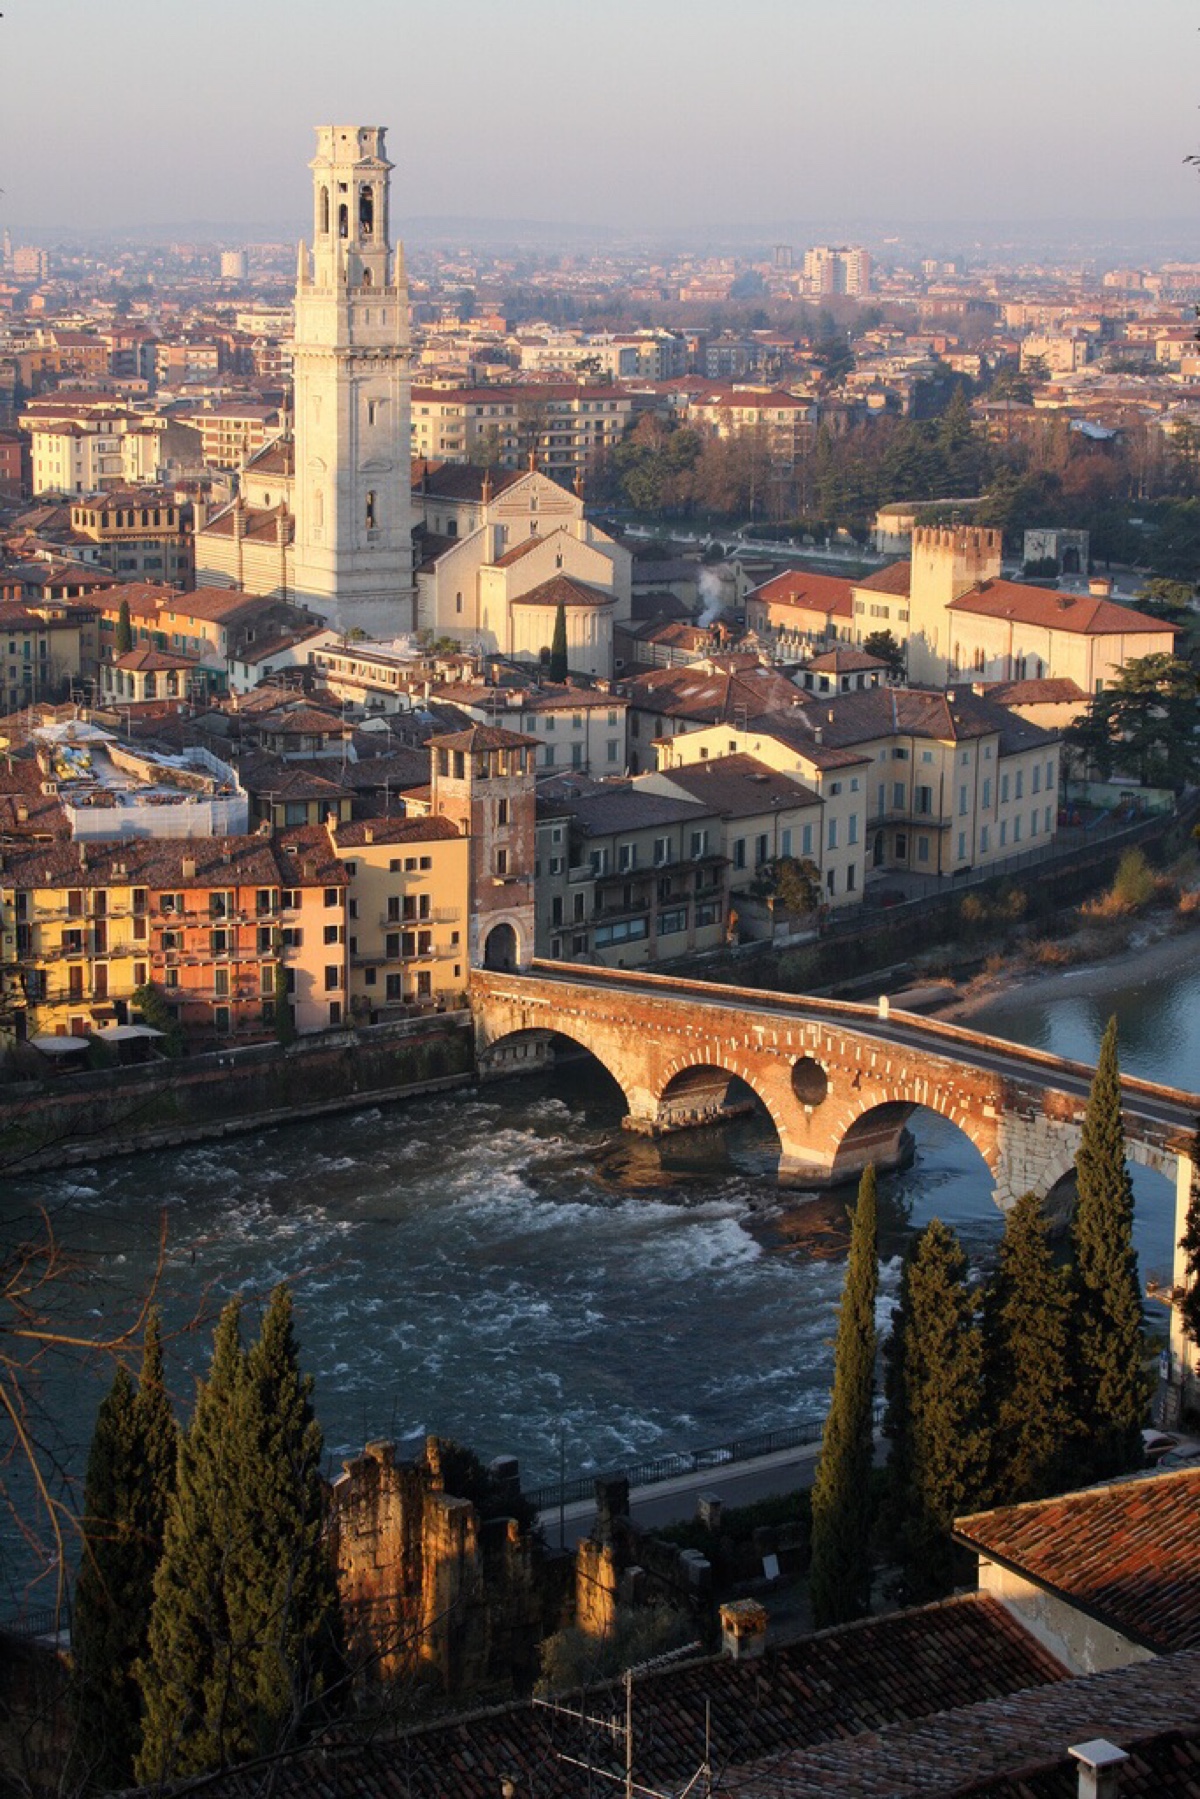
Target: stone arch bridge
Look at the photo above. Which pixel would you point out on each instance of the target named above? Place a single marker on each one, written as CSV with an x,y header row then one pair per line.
x,y
839,1080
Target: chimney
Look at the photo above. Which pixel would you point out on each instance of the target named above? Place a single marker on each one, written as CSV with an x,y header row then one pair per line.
x,y
188,868
744,1630
1099,1768
1100,586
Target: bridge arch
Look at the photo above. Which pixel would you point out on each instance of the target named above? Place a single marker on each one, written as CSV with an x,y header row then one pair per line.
x,y
528,1047
875,1131
699,1082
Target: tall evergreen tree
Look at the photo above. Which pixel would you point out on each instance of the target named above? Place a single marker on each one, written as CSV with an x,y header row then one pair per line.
x,y
940,1445
243,1636
840,1582
286,1594
1107,1291
558,648
1028,1377
130,1476
124,633
193,1670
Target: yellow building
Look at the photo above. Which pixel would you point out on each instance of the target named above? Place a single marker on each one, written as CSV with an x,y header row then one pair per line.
x,y
408,911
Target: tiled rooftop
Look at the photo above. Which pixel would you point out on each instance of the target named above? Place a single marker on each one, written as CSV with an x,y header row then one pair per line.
x,y
1128,1554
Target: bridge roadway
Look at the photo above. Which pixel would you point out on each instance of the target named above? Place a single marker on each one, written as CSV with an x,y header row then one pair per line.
x,y
1172,1109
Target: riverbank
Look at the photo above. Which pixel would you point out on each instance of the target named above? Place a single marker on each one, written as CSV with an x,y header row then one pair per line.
x,y
1160,945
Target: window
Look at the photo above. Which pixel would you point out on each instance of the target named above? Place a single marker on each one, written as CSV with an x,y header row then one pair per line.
x,y
220,905
335,1011
961,852
962,802
391,946
851,877
987,792
1003,790
1035,785
614,749
708,913
898,795
291,937
221,982
831,882
1019,790
501,862
333,977
627,857
332,933
831,840
502,812
672,922
331,895
984,836
1017,829
662,851
922,849
739,853
924,801
1048,817
806,841
264,901
699,842
370,509
393,986
221,943
852,832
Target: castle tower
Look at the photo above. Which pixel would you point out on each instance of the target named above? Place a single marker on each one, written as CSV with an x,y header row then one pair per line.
x,y
353,502
947,562
483,782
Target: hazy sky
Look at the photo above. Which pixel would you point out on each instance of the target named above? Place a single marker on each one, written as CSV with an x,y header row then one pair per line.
x,y
650,114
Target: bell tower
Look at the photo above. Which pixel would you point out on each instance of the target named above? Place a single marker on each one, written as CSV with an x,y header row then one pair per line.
x,y
351,361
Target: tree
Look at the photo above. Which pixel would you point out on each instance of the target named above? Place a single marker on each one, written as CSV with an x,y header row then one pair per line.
x,y
1148,718
151,1002
1107,1309
840,1581
935,1418
794,883
558,648
124,634
130,1478
884,645
243,1632
285,1024
1026,1335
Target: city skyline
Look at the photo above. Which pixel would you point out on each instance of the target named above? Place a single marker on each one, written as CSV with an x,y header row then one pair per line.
x,y
659,121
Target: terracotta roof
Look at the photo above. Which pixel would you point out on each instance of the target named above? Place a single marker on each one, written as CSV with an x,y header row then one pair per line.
x,y
148,661
394,830
518,550
276,458
844,661
951,1751
1082,614
564,590
1127,1554
1163,1765
711,693
955,716
826,594
1056,691
895,578
461,480
739,786
259,524
828,1687
483,737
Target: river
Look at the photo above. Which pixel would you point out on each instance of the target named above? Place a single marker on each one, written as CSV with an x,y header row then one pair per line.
x,y
507,1266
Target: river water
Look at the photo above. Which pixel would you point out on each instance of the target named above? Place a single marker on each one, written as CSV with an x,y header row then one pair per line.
x,y
507,1266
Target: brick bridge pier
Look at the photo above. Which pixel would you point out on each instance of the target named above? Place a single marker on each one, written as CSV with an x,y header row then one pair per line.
x,y
840,1081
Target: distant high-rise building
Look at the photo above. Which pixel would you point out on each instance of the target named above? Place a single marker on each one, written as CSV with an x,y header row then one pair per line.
x,y
783,256
830,270
351,360
233,265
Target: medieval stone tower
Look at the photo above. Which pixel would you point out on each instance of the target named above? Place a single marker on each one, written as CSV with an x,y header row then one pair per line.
x,y
947,562
353,501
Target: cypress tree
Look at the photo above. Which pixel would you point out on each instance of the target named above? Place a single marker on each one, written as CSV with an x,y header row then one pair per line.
x,y
558,647
937,1383
285,1599
130,1476
123,640
1028,1377
243,1635
840,1582
1107,1291
193,1670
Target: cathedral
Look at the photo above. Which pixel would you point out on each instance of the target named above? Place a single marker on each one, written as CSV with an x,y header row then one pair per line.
x,y
335,517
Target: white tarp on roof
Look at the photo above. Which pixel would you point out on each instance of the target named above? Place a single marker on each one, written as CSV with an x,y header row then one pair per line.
x,y
58,1046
